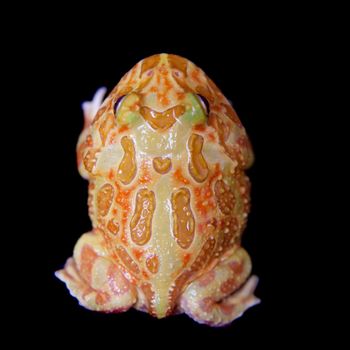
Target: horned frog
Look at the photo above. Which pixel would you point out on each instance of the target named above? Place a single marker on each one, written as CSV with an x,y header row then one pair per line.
x,y
165,155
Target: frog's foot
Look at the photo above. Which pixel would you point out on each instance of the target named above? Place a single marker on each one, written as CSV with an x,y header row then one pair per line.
x,y
94,279
222,294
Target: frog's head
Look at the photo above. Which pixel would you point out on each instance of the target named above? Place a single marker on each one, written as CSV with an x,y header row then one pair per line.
x,y
165,92
160,90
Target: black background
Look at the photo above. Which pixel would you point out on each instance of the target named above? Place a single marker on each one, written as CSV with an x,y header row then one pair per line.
x,y
258,71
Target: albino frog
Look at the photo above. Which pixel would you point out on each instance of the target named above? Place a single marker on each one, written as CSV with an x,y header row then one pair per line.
x,y
165,155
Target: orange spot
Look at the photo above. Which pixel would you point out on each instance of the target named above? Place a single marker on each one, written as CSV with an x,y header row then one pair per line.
x,y
111,174
137,253
163,99
135,107
145,173
145,275
197,191
204,195
122,197
186,258
179,177
167,83
163,70
114,211
123,128
153,89
89,141
180,95
124,238
199,127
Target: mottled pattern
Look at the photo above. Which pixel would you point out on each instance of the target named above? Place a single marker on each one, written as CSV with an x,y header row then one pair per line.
x,y
165,155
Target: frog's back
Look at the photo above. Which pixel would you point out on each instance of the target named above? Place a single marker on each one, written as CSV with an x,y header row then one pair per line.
x,y
167,184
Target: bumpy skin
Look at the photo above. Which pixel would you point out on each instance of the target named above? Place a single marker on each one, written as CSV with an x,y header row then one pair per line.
x,y
168,198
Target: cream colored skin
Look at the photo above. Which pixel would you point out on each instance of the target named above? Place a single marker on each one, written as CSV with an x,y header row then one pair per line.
x,y
221,290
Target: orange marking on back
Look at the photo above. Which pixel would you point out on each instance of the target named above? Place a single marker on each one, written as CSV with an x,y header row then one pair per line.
x,y
179,177
168,85
124,238
186,258
123,128
89,140
199,127
180,95
204,199
123,199
163,99
145,173
134,107
137,253
111,174
123,196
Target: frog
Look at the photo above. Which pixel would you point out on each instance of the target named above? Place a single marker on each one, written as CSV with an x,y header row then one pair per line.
x,y
165,155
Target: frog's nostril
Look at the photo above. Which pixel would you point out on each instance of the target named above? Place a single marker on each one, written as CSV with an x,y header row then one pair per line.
x,y
118,104
204,103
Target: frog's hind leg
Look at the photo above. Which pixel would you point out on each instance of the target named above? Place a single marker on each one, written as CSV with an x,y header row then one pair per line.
x,y
222,294
94,279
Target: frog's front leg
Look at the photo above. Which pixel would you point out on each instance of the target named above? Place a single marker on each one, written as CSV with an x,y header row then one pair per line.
x,y
95,280
222,294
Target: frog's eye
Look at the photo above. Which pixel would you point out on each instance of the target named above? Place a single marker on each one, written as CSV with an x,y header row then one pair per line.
x,y
118,104
205,104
